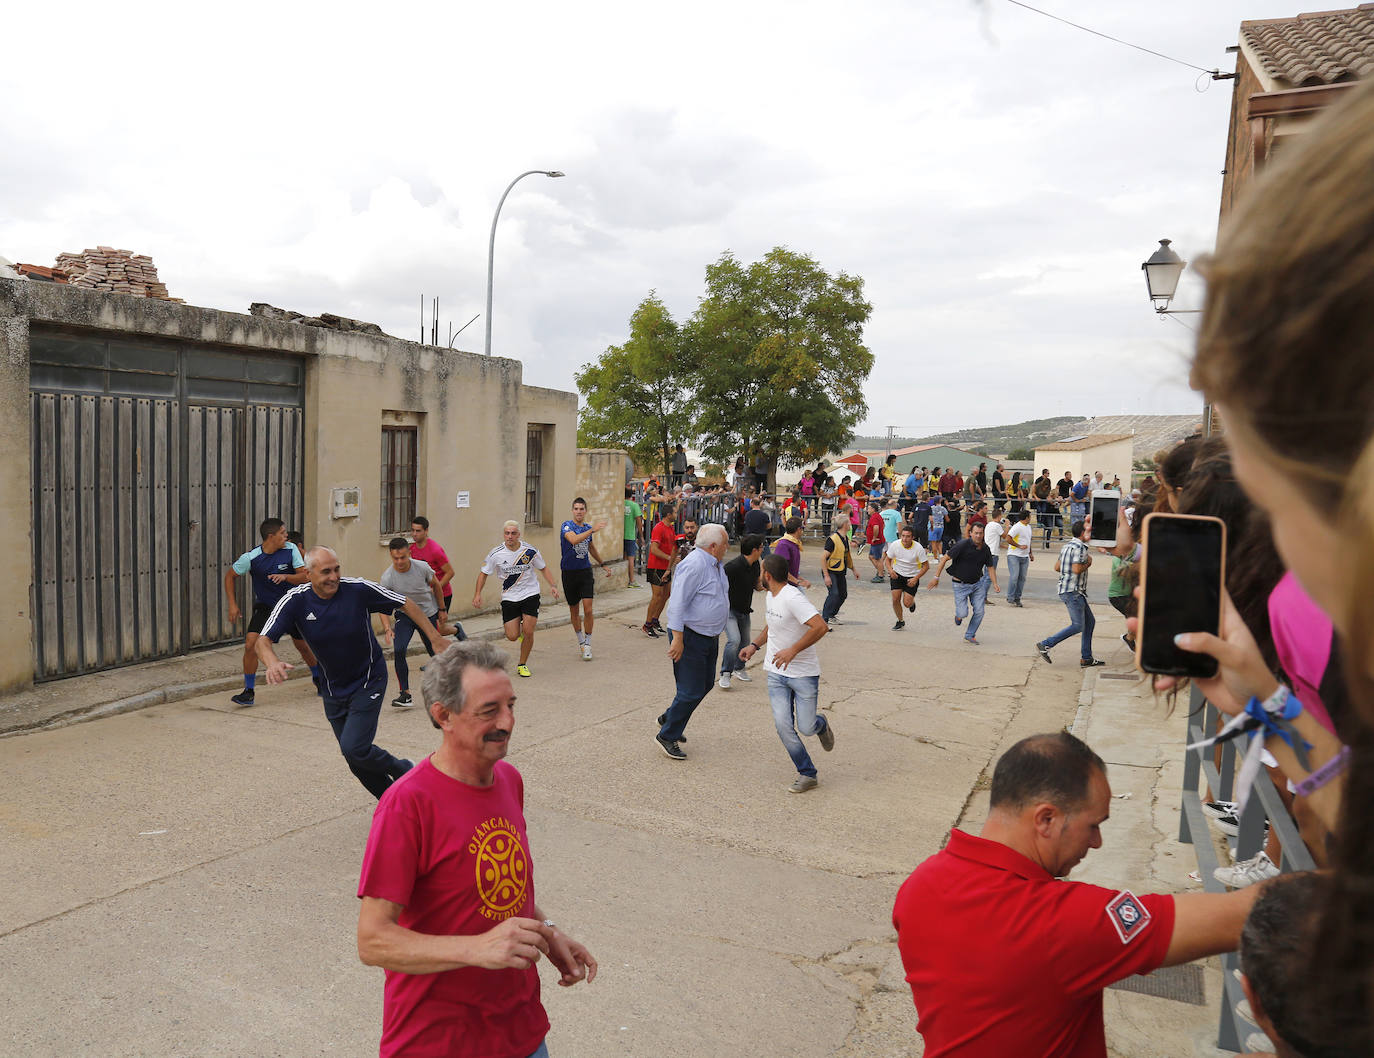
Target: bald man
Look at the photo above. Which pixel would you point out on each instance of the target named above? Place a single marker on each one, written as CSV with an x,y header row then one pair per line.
x,y
334,615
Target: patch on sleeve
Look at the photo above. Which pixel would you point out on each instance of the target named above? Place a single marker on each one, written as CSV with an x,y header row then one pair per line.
x,y
1128,916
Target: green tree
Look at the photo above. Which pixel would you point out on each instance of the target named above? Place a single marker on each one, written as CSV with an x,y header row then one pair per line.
x,y
637,394
1021,454
780,358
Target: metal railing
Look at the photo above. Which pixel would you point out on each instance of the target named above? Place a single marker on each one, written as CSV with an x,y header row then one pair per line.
x,y
1264,804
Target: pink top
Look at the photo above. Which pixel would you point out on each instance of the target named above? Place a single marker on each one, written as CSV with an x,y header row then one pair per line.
x,y
1302,636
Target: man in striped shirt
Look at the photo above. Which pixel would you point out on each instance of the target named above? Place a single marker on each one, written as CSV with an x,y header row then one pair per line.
x,y
1072,567
518,565
334,615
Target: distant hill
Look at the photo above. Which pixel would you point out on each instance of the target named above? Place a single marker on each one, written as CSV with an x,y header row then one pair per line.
x,y
1152,432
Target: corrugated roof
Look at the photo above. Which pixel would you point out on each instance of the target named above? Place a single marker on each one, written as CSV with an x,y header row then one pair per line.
x,y
1082,444
1320,48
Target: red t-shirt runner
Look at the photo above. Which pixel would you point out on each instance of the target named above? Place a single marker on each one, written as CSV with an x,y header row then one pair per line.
x,y
874,530
433,555
456,857
1004,960
665,536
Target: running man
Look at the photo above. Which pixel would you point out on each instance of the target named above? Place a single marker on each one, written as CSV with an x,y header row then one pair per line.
x,y
415,580
428,551
334,614
938,514
658,568
516,562
907,563
276,566
579,584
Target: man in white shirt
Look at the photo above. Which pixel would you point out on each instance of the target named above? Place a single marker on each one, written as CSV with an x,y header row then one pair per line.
x,y
1020,555
992,536
794,670
516,563
907,563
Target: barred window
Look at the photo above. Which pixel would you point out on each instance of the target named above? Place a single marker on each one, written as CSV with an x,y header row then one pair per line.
x,y
534,475
400,446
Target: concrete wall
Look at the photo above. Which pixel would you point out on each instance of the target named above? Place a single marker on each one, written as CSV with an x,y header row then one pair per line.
x,y
472,413
16,503
601,482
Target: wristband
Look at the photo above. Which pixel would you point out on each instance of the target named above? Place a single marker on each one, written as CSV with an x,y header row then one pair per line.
x,y
1323,775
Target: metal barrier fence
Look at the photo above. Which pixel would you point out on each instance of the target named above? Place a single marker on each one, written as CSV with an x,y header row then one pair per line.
x,y
1264,804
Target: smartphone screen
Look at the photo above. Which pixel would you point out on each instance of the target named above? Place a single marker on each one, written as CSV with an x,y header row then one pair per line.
x,y
1104,511
1181,584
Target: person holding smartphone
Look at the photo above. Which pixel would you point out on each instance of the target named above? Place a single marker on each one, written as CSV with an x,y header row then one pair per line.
x,y
1072,566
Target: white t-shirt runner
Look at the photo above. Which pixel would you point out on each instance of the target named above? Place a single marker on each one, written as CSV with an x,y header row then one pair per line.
x,y
517,570
1019,541
907,562
787,613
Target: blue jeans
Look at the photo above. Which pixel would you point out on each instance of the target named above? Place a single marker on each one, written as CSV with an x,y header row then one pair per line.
x,y
973,595
543,1051
354,721
695,676
1081,622
835,595
404,628
793,699
1016,575
736,635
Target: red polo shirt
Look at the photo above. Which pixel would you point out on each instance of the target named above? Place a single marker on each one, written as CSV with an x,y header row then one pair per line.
x,y
1004,960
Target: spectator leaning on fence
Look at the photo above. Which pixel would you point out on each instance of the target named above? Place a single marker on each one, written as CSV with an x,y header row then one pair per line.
x,y
1003,956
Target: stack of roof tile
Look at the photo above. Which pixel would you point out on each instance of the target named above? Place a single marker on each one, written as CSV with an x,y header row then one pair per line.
x,y
116,271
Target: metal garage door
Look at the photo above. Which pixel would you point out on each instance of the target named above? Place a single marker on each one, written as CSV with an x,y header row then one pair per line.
x,y
153,465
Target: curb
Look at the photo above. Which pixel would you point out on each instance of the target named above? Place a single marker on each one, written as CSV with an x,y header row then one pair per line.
x,y
179,692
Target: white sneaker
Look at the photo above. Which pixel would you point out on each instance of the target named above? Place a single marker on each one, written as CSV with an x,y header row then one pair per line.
x,y
724,681
742,676
1259,1042
1257,868
586,652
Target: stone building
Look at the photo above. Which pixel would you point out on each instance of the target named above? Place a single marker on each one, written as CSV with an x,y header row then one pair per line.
x,y
148,438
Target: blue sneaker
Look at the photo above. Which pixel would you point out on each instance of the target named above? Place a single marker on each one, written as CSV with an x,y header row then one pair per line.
x,y
243,698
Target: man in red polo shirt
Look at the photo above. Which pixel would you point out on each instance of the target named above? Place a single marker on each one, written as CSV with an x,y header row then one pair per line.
x,y
1003,956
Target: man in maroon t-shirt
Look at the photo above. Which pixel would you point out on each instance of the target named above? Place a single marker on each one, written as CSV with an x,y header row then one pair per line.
x,y
447,884
1003,956
428,551
875,535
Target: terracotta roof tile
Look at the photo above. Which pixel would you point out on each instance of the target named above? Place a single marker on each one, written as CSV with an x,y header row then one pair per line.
x,y
1325,47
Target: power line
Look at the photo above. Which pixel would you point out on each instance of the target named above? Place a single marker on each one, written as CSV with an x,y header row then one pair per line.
x,y
1217,75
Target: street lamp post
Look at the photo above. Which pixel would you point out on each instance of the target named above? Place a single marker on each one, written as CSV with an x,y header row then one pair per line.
x,y
491,245
1162,271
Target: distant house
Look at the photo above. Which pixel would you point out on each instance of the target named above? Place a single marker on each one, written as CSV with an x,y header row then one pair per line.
x,y
1109,453
937,455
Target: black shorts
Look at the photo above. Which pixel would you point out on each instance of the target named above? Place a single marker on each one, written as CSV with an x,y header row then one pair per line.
x,y
658,577
900,584
526,607
261,612
578,584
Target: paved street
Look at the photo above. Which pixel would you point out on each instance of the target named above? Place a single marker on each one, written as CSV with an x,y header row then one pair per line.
x,y
180,879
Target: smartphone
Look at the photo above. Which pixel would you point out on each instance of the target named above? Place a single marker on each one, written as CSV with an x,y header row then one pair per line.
x,y
1183,567
1103,510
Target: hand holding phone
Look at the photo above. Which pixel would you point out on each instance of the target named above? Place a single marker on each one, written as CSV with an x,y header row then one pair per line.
x,y
1183,564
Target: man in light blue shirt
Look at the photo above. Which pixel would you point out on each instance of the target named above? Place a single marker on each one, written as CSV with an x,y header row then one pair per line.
x,y
892,522
696,615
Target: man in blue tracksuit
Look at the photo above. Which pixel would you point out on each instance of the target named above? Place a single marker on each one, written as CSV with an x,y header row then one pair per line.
x,y
334,614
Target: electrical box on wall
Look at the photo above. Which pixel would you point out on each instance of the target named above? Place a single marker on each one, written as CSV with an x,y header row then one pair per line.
x,y
345,501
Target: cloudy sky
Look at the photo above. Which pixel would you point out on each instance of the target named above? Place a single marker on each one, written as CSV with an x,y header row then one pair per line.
x,y
994,176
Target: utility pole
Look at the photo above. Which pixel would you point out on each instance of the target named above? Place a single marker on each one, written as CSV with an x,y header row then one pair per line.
x,y
890,431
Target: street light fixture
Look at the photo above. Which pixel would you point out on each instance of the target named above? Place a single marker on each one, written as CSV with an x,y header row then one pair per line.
x,y
1162,272
491,245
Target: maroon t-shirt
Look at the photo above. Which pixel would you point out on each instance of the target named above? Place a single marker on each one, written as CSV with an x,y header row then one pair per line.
x,y
456,858
433,555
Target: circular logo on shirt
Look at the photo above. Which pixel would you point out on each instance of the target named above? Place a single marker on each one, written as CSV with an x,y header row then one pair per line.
x,y
503,870
1128,914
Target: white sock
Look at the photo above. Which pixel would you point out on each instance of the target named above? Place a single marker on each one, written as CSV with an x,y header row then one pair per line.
x,y
580,638
587,640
